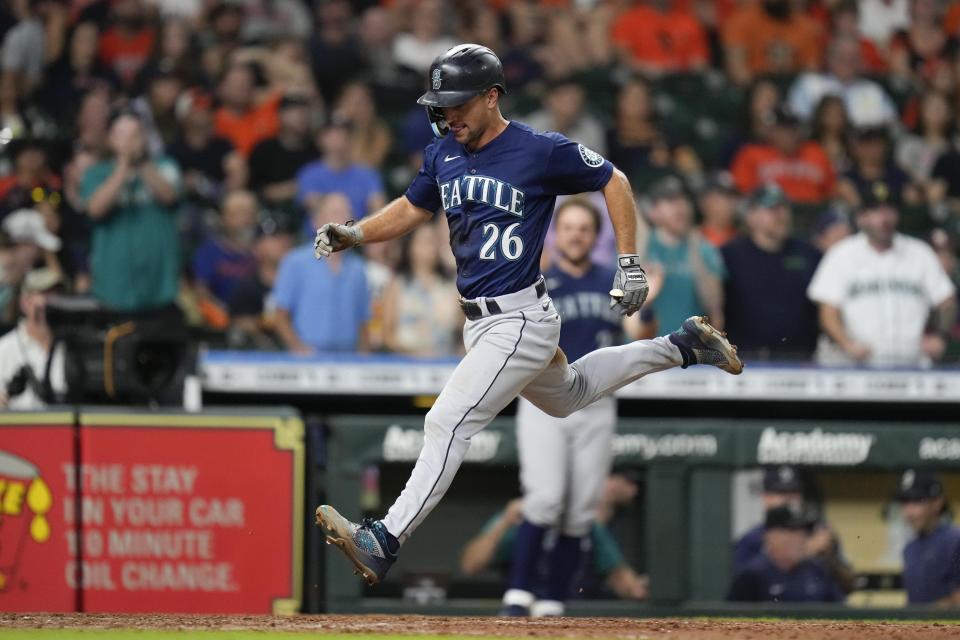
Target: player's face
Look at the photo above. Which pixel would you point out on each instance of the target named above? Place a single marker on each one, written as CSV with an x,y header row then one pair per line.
x,y
468,121
921,514
576,234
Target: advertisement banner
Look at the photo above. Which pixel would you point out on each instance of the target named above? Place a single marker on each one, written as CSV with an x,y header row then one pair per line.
x,y
36,456
192,513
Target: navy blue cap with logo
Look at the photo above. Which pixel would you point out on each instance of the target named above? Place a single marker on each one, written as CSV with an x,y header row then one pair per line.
x,y
919,484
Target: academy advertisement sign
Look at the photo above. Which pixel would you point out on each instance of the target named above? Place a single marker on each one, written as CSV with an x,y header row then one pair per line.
x,y
815,447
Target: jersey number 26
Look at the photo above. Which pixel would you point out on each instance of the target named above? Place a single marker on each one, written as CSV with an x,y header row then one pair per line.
x,y
511,246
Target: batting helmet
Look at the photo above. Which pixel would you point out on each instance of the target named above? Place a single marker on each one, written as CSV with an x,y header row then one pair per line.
x,y
465,71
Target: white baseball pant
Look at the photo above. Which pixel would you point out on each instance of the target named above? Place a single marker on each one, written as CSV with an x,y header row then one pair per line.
x,y
564,463
508,354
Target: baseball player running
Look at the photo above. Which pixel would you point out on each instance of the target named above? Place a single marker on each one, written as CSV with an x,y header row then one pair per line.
x,y
497,182
564,462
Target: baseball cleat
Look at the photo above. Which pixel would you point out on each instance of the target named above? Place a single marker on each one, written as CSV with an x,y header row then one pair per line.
x,y
701,343
367,545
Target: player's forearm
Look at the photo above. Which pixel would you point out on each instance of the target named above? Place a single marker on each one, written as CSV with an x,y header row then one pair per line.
x,y
394,220
623,212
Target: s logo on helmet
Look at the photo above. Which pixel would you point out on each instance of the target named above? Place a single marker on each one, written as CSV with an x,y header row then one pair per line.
x,y
590,157
435,79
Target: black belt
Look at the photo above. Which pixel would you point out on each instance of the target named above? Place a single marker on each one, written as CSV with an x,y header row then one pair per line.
x,y
474,311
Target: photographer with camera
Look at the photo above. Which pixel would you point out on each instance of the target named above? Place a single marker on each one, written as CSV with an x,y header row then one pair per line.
x,y
29,376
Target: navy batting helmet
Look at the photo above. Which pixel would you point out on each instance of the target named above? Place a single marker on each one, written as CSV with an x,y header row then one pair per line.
x,y
465,71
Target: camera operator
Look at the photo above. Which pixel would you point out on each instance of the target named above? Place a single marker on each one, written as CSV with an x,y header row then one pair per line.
x,y
28,376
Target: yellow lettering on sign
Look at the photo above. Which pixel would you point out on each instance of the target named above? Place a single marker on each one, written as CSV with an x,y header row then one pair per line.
x,y
11,500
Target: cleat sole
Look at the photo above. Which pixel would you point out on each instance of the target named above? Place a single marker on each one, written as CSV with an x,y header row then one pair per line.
x,y
716,339
341,543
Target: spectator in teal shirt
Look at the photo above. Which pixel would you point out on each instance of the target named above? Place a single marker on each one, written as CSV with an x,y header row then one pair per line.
x,y
131,197
693,269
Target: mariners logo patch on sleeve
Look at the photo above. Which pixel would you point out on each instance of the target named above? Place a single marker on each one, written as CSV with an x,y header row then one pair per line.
x,y
590,157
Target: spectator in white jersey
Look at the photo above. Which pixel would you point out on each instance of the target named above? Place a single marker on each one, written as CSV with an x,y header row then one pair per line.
x,y
878,289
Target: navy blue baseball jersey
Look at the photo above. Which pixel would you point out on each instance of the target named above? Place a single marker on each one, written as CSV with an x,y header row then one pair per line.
x,y
931,565
499,201
761,581
584,307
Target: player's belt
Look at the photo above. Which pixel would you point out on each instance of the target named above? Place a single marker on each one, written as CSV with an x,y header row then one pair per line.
x,y
480,307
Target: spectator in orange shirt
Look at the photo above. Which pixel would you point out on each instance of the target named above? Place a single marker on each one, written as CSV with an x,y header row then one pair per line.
x,y
658,38
126,46
770,36
244,118
801,168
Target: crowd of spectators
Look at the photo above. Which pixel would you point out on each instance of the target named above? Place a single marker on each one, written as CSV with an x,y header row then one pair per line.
x,y
178,152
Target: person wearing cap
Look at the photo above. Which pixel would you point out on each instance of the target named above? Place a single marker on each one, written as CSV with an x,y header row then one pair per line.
x,y
931,561
717,201
783,571
872,163
131,198
693,269
876,291
335,171
28,375
801,167
33,244
275,162
783,485
766,308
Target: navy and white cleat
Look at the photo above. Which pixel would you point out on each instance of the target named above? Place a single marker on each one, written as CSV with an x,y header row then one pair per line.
x,y
701,343
368,545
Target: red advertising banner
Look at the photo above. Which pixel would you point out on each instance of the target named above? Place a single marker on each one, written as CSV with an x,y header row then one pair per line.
x,y
36,455
191,513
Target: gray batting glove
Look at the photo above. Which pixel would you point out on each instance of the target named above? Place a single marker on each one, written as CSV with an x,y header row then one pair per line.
x,y
630,286
336,237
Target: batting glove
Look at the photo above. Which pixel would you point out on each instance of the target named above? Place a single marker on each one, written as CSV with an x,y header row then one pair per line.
x,y
630,286
336,237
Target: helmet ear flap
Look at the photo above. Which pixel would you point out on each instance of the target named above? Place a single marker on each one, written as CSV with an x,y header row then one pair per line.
x,y
437,122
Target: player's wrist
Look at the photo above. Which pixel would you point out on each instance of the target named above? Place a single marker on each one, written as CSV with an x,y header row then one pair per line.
x,y
627,260
356,232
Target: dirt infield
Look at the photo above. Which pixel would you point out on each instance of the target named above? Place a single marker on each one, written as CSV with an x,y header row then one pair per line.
x,y
674,629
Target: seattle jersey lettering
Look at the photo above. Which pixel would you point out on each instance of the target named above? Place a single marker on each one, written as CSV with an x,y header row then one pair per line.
x,y
490,191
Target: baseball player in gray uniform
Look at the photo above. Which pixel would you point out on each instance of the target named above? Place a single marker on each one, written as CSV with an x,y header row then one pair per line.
x,y
497,182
